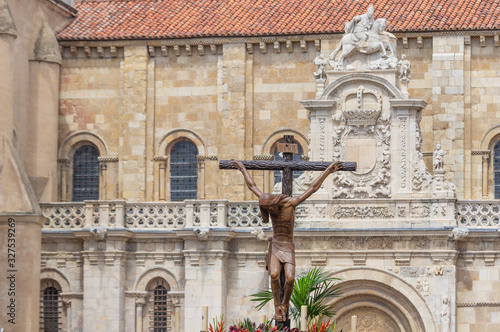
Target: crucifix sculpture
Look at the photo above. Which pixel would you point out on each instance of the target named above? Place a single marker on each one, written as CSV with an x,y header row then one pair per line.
x,y
280,261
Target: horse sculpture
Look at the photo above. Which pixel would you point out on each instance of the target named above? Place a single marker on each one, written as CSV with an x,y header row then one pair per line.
x,y
377,39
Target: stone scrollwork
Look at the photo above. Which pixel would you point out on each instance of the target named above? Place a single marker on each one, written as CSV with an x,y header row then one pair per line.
x,y
363,123
377,212
421,178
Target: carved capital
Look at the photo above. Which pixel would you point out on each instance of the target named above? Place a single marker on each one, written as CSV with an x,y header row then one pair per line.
x,y
160,158
484,153
107,159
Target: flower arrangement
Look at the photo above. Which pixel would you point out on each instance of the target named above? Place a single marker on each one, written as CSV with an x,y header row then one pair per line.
x,y
248,326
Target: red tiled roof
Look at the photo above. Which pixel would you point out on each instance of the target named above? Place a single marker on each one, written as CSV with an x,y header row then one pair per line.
x,y
163,19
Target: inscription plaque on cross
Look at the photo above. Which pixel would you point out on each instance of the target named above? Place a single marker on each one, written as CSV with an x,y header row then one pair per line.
x,y
287,165
280,261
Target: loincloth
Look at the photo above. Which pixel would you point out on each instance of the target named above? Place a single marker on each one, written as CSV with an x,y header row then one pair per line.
x,y
283,251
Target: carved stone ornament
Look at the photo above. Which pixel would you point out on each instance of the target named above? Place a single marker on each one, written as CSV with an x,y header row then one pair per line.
x,y
98,234
202,233
362,124
366,35
362,212
259,234
459,233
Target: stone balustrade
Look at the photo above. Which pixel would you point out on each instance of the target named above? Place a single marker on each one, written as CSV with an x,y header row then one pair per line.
x,y
478,214
311,214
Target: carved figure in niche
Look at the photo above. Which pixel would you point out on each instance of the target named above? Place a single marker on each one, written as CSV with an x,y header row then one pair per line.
x,y
445,314
364,35
321,63
422,179
438,158
281,253
404,70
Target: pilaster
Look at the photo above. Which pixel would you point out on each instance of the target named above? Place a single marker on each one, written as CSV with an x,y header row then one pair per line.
x,y
405,129
206,265
104,279
133,122
448,103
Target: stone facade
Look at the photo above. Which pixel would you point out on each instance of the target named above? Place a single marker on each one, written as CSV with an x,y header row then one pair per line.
x,y
414,252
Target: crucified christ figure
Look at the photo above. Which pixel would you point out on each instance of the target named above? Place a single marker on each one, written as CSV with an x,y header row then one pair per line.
x,y
281,253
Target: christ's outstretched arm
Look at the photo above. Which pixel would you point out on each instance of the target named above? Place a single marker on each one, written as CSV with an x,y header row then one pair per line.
x,y
248,179
317,183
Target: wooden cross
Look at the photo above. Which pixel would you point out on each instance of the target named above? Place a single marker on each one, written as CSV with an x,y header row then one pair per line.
x,y
287,165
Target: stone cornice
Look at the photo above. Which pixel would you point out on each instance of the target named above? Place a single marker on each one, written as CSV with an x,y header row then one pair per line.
x,y
258,39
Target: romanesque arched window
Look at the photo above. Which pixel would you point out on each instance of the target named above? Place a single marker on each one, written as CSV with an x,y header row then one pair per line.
x,y
183,171
296,157
85,174
496,168
159,306
50,313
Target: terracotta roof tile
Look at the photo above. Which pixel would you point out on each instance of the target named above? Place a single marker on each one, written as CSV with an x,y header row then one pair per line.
x,y
163,19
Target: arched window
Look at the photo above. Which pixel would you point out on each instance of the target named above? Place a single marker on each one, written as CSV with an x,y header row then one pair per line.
x,y
296,157
496,168
50,316
85,174
159,306
183,171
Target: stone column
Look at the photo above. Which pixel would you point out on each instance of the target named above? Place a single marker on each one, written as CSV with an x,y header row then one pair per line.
x,y
176,314
201,176
486,160
103,179
405,114
67,305
139,305
63,188
162,163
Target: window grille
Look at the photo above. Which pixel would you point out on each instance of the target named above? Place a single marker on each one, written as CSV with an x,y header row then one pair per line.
x,y
496,169
50,313
85,174
160,313
183,171
159,306
296,157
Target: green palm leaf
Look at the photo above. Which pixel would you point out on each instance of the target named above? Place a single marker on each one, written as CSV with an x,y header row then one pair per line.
x,y
313,290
